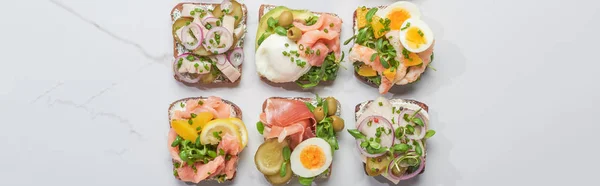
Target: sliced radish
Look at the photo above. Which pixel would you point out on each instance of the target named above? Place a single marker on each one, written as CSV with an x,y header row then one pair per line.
x,y
236,57
369,126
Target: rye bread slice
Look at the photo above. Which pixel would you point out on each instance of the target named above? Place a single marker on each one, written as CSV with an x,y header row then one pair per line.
x,y
261,12
264,105
236,109
420,104
176,53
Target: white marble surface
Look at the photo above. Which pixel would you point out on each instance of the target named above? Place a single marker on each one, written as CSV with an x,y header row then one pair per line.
x,y
85,86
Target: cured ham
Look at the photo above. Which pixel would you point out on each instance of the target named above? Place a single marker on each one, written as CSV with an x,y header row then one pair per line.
x,y
287,117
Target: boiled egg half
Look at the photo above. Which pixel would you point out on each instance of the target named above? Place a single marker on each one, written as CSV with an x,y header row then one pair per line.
x,y
311,157
398,13
415,35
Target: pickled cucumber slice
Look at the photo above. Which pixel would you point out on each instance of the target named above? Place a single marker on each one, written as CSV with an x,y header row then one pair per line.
x,y
278,180
268,157
376,166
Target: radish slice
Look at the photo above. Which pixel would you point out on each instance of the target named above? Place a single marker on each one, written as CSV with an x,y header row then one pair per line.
x,y
192,41
187,78
218,40
236,57
369,126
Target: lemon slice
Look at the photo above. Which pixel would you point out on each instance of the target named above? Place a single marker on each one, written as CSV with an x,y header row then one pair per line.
x,y
220,127
242,130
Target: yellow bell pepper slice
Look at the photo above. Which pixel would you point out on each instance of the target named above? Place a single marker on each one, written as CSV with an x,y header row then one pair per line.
x,y
390,74
184,129
366,71
201,119
378,27
361,17
413,60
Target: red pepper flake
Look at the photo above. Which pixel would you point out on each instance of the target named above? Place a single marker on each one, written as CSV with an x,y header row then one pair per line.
x,y
376,120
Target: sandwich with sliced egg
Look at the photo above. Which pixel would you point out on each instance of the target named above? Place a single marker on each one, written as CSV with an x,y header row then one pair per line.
x,y
392,45
206,138
300,138
208,41
391,136
297,46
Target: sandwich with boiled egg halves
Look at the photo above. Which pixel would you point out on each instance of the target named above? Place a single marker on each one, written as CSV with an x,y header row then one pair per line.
x,y
391,136
207,42
300,138
392,45
297,46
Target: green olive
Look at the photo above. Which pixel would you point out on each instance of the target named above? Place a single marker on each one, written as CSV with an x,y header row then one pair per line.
x,y
319,114
217,12
332,106
286,18
338,123
294,34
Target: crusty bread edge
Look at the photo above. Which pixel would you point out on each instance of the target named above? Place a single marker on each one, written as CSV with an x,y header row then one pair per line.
x,y
179,7
264,105
238,114
420,104
261,12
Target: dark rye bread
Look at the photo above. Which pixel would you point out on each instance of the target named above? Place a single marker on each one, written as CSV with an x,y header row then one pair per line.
x,y
264,105
238,114
261,12
176,53
421,104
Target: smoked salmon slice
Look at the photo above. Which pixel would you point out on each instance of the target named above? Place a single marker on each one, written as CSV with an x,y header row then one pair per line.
x,y
230,167
230,144
173,150
213,104
203,171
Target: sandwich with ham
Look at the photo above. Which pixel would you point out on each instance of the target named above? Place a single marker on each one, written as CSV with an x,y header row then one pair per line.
x,y
391,137
206,137
208,41
297,46
300,138
392,45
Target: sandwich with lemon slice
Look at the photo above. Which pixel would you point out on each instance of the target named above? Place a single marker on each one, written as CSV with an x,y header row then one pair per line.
x,y
392,45
205,138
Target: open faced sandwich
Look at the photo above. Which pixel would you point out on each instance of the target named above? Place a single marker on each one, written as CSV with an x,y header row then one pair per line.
x,y
391,136
208,41
205,140
297,46
300,138
392,45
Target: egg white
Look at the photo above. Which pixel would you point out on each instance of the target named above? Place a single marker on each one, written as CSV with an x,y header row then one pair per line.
x,y
428,34
273,65
299,169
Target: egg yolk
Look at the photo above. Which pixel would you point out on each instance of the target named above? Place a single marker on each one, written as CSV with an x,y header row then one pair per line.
x,y
415,37
398,16
312,157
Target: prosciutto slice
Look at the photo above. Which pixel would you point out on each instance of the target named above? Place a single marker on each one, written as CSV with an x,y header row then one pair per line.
x,y
286,117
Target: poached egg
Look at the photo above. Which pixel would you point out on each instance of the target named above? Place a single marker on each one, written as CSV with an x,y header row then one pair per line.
x,y
273,64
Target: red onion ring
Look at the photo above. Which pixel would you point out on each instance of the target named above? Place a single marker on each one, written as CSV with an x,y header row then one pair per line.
x,y
221,59
386,140
236,57
198,33
422,129
180,76
226,39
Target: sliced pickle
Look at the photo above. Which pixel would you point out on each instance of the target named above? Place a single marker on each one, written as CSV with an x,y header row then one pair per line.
x,y
237,11
276,179
269,157
377,165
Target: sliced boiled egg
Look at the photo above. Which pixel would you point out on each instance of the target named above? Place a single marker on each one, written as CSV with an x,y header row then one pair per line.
x,y
398,13
311,157
415,35
274,61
